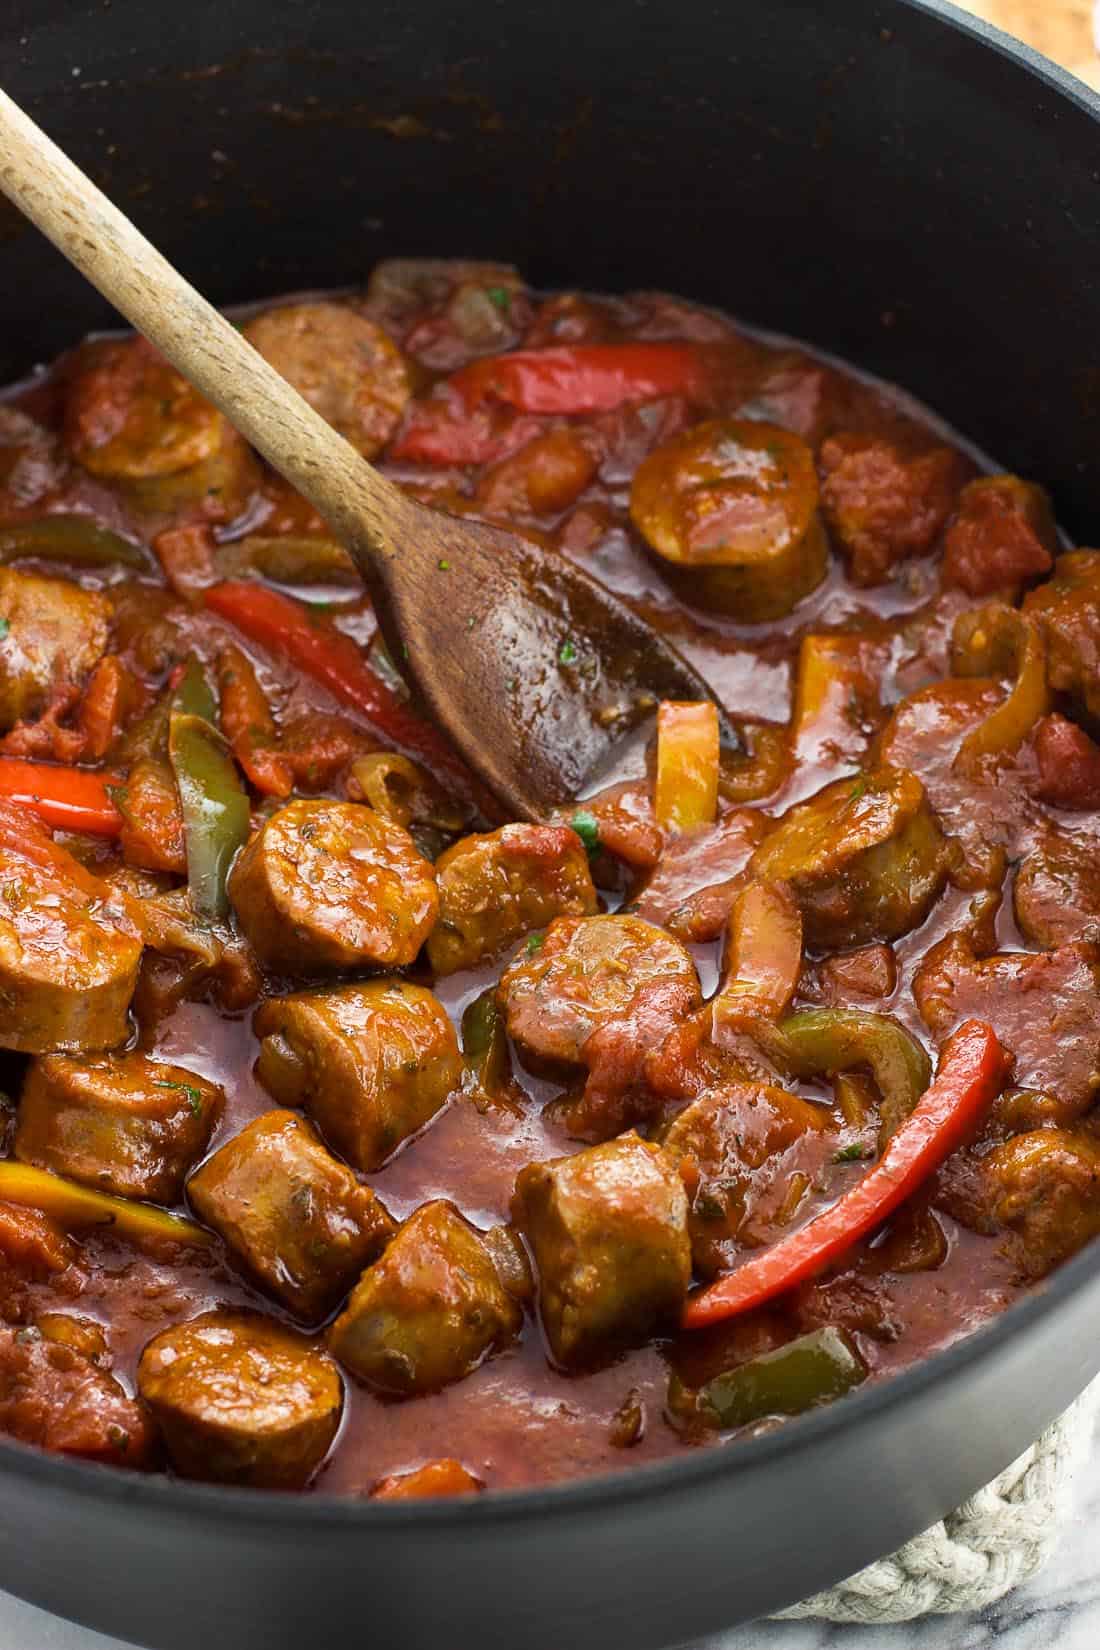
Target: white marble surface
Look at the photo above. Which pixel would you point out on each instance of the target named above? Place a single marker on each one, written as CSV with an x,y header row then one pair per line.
x,y
1061,1606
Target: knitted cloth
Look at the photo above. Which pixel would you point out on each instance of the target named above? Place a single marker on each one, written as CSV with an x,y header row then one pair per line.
x,y
993,1542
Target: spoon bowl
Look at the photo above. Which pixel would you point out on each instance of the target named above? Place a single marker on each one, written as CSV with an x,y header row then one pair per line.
x,y
531,668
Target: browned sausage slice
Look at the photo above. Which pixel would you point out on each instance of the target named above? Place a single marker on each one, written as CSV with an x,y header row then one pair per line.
x,y
298,1219
730,507
864,858
1043,1186
430,1310
333,885
69,951
342,364
130,416
498,886
52,633
372,1063
745,1151
1067,606
608,1230
599,993
241,1400
121,1123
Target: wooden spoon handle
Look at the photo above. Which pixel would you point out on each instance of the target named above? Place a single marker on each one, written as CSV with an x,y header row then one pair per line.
x,y
101,241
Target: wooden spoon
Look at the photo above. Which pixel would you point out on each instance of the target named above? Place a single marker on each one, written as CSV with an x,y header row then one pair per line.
x,y
532,669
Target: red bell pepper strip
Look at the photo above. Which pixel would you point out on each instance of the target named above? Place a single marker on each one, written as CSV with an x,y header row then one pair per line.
x,y
442,430
583,378
972,1070
325,654
69,799
248,724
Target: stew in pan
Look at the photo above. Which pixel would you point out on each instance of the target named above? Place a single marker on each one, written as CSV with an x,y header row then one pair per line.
x,y
357,1137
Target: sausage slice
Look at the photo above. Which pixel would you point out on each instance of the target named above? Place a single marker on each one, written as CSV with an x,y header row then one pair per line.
x,y
69,951
598,993
608,1230
344,365
1043,1187
430,1310
864,858
131,416
742,1148
372,1064
730,507
53,634
333,885
121,1123
299,1220
497,886
1056,895
241,1400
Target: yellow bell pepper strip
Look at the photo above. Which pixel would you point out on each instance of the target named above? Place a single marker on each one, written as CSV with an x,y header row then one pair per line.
x,y
67,799
402,791
835,701
813,1369
214,805
80,1208
984,640
972,1071
819,1042
687,764
76,540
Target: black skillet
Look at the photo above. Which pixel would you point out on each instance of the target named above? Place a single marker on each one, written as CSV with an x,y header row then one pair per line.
x,y
887,179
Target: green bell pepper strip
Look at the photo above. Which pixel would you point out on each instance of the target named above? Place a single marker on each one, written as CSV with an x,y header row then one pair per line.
x,y
193,695
73,539
485,1049
814,1369
819,1042
213,801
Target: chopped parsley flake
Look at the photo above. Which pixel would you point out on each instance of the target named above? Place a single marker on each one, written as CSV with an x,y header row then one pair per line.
x,y
5,627
587,828
534,944
567,653
444,565
855,1153
500,296
194,1097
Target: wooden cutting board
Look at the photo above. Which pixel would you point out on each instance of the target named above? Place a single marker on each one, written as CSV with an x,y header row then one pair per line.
x,y
1062,29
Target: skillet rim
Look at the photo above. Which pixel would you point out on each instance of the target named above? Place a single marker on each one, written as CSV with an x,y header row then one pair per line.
x,y
674,1474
